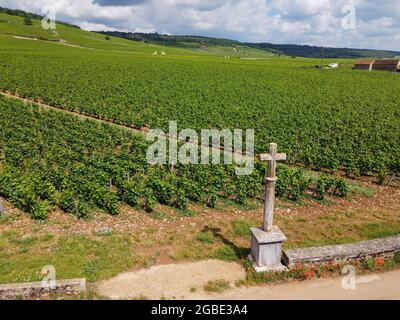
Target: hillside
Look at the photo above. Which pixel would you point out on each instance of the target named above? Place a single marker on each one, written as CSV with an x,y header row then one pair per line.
x,y
12,23
317,52
199,43
204,45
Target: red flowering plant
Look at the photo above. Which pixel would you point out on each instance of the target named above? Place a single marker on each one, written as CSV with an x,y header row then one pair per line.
x,y
379,261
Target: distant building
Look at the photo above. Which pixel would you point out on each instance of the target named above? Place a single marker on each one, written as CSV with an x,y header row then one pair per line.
x,y
379,65
364,65
386,65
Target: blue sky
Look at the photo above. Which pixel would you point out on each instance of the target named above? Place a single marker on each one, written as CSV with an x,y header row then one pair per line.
x,y
339,23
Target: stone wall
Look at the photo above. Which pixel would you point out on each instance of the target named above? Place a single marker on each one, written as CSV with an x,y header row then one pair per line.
x,y
32,290
357,250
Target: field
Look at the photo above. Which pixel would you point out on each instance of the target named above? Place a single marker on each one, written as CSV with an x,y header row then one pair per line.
x,y
51,159
331,119
340,129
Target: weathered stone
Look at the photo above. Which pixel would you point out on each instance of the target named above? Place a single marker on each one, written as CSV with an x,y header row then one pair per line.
x,y
36,289
266,249
266,242
342,252
270,184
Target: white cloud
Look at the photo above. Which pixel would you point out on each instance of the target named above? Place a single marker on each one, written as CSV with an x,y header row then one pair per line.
x,y
278,21
301,8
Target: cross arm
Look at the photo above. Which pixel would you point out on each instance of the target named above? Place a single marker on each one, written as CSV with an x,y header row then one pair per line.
x,y
277,157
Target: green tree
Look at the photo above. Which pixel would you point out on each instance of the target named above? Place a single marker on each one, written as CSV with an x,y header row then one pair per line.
x,y
28,21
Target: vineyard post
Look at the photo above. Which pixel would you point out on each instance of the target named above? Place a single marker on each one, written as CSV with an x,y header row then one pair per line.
x,y
270,184
1,207
266,242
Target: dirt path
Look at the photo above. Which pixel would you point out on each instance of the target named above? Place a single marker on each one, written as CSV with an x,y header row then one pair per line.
x,y
25,38
381,286
186,281
173,281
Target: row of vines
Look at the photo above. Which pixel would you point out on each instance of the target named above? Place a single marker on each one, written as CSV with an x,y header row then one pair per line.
x,y
49,159
335,120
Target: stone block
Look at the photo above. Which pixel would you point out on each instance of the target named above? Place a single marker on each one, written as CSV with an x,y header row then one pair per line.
x,y
348,251
266,249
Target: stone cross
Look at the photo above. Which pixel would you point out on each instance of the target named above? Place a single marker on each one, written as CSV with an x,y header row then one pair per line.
x,y
270,183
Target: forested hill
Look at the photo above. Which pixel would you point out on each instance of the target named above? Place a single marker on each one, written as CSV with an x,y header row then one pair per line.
x,y
30,15
170,40
316,52
282,49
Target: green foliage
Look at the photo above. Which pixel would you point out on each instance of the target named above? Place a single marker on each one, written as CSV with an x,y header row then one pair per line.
x,y
241,228
294,50
70,204
292,183
40,210
331,185
44,168
323,121
205,237
397,257
91,270
368,264
315,52
226,253
216,286
28,16
22,192
28,21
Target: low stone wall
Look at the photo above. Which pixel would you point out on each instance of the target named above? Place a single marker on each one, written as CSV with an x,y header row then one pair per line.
x,y
35,289
342,252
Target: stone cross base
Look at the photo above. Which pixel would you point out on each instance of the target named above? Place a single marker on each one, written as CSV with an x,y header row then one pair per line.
x,y
266,249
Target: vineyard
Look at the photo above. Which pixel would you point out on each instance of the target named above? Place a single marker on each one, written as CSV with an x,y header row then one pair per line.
x,y
323,120
50,159
332,119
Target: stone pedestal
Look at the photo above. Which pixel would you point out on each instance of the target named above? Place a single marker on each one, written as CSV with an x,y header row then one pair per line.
x,y
266,249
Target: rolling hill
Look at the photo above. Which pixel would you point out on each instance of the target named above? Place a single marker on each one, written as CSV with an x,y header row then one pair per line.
x,y
205,45
13,24
317,52
213,45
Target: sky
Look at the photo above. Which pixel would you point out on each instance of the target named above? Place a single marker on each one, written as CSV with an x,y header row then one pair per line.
x,y
373,24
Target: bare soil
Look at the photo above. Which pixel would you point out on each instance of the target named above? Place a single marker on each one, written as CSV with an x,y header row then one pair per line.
x,y
173,281
380,286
